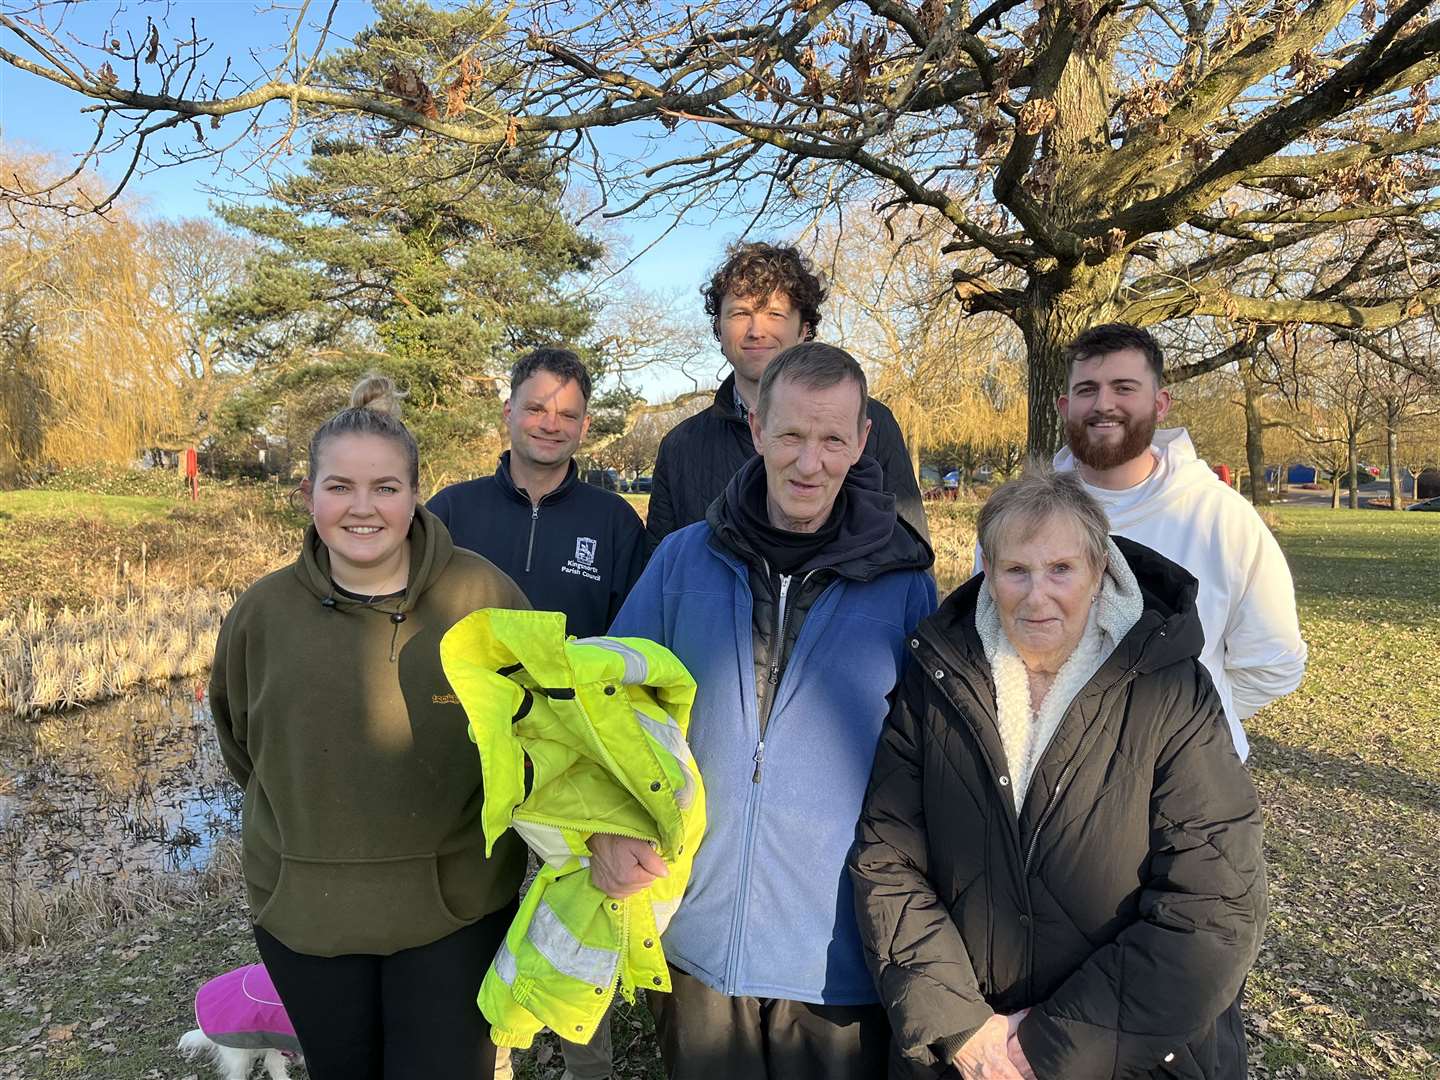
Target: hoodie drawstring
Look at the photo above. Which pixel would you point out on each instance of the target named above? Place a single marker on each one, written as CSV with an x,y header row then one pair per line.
x,y
395,620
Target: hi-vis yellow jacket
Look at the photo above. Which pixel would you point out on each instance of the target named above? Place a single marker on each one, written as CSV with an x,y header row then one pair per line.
x,y
601,724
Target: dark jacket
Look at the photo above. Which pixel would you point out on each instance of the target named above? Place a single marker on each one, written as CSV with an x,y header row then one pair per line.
x,y
579,551
700,455
1124,906
769,911
361,824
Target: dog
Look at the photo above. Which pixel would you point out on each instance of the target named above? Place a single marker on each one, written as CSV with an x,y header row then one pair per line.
x,y
241,1022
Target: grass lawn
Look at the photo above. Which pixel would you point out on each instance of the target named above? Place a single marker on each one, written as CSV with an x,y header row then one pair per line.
x,y
60,547
82,506
1348,768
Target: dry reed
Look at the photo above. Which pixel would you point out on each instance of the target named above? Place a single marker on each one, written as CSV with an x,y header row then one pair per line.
x,y
35,912
69,658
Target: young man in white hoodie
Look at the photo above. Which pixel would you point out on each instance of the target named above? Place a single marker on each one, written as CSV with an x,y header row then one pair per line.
x,y
1157,492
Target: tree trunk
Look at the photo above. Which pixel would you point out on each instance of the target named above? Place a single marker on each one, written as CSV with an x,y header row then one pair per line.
x,y
1352,464
1046,364
1254,441
1057,308
1335,491
1397,498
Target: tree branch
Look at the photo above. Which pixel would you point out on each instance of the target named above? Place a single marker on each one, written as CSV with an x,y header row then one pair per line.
x,y
1377,315
1354,82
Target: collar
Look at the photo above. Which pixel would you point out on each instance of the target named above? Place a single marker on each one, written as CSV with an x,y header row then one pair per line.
x,y
507,482
729,405
741,409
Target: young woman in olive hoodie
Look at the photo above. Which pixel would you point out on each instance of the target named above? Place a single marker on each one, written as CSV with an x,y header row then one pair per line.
x,y
375,908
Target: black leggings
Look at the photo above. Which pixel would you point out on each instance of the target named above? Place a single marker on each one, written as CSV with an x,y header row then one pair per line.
x,y
408,1016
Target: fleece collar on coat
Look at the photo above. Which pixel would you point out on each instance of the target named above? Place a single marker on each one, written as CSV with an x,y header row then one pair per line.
x,y
1026,734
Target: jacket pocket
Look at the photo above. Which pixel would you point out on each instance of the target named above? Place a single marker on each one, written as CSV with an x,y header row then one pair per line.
x,y
327,907
1182,1066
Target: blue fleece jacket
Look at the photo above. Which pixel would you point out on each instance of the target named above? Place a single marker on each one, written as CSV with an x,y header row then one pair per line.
x,y
769,910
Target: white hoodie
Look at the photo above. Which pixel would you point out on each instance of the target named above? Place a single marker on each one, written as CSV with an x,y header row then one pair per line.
x,y
1253,649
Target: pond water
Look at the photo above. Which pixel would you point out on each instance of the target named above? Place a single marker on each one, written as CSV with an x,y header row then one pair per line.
x,y
130,786
133,785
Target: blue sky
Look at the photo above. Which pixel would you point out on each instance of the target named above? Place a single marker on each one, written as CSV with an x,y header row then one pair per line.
x,y
35,115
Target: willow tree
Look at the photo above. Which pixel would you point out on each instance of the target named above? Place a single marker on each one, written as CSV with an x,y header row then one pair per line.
x,y
88,354
1082,150
951,380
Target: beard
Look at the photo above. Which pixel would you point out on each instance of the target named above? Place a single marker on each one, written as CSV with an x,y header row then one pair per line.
x,y
1138,432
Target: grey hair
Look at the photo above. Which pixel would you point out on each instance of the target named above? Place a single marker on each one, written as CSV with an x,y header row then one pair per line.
x,y
1025,505
815,366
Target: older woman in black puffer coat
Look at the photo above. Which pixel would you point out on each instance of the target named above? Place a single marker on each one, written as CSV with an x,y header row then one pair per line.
x,y
1058,868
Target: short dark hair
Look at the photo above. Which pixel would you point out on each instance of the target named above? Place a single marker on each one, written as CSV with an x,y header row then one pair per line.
x,y
758,269
815,366
562,363
1112,337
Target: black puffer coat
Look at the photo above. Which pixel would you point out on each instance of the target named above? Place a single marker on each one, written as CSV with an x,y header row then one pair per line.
x,y
700,455
1125,904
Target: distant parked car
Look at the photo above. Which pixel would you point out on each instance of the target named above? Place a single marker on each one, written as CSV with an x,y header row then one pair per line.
x,y
1426,504
609,479
641,485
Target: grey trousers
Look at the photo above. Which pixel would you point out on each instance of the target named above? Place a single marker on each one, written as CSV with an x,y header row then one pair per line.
x,y
583,1061
705,1035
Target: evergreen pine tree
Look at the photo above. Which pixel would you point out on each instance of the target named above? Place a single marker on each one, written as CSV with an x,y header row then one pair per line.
x,y
431,261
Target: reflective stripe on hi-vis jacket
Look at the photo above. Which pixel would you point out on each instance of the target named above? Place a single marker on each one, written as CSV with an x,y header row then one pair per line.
x,y
599,726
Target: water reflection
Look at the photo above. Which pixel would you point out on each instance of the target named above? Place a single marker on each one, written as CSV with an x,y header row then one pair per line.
x,y
130,786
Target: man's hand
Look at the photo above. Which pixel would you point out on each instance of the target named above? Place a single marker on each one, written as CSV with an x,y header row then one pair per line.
x,y
1014,1050
621,866
983,1056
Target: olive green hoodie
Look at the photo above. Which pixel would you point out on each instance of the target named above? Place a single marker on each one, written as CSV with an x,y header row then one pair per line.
x,y
362,816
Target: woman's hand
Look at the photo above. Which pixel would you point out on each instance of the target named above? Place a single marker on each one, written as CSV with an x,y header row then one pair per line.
x,y
621,866
984,1056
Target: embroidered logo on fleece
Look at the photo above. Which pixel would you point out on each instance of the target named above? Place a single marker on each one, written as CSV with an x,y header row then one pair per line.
x,y
583,563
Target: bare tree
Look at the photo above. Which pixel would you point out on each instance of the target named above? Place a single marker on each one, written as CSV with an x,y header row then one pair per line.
x,y
1083,150
951,379
1404,395
634,450
200,260
1334,413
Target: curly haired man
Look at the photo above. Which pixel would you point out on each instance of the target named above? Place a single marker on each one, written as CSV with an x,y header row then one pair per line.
x,y
761,301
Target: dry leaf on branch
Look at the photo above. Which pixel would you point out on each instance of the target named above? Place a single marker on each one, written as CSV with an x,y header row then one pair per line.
x,y
1037,115
932,14
457,94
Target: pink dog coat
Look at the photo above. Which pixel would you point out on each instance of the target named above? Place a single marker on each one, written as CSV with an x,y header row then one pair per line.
x,y
241,1009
